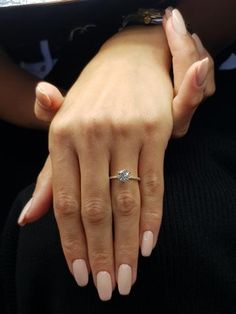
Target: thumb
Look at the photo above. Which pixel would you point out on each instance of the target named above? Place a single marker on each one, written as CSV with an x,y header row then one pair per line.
x,y
48,101
190,95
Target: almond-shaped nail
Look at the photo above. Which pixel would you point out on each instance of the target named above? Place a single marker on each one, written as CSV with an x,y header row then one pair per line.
x,y
198,43
147,243
104,285
178,22
80,272
21,219
202,71
124,279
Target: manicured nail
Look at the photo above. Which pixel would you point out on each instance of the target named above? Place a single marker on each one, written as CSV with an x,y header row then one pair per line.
x,y
178,22
198,43
124,279
80,272
21,219
147,243
42,97
168,12
104,285
202,71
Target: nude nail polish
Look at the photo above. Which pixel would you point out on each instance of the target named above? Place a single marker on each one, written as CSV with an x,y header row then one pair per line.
x,y
80,272
178,22
21,219
147,243
202,71
198,43
104,285
124,279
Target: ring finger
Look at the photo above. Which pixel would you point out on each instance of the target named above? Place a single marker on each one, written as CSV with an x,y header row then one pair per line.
x,y
126,212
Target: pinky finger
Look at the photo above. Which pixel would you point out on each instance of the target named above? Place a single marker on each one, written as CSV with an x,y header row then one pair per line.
x,y
190,95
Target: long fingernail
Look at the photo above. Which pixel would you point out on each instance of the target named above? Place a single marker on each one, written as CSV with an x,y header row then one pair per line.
x,y
147,243
178,22
124,279
168,12
202,71
198,43
21,219
104,285
80,272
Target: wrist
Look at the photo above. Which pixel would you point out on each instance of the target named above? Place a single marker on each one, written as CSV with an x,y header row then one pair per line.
x,y
137,42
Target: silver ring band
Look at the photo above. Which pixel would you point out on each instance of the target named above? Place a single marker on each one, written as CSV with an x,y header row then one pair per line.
x,y
124,175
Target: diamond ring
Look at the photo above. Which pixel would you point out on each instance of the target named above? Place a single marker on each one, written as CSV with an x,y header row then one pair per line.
x,y
124,175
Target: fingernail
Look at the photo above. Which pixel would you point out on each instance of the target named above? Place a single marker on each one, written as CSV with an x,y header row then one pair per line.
x,y
124,279
198,43
42,97
104,285
147,243
202,71
168,12
178,22
80,272
21,219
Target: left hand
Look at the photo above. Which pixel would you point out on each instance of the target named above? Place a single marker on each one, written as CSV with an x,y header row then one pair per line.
x,y
193,71
188,96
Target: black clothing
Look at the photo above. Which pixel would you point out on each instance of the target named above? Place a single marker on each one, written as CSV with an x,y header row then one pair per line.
x,y
193,268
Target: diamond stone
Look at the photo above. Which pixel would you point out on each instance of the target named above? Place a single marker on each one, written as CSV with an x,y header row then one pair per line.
x,y
123,175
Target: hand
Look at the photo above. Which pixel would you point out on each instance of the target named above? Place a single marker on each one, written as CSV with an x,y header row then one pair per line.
x,y
189,79
187,64
193,71
130,129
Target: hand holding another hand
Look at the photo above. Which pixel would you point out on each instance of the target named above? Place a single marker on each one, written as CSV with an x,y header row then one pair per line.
x,y
117,115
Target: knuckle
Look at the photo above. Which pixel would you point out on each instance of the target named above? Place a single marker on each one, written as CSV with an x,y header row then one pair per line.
x,y
122,129
151,126
130,251
93,128
70,246
153,184
100,260
65,207
59,129
126,204
153,217
94,211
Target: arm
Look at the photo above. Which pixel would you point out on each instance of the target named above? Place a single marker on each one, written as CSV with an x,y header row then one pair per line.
x,y
17,95
214,21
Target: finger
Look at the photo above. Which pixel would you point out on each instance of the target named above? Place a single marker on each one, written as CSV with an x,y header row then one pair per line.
x,y
181,45
152,191
66,201
97,215
126,213
48,101
210,86
190,95
41,200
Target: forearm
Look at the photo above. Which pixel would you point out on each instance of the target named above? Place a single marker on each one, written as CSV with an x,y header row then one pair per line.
x,y
214,21
17,95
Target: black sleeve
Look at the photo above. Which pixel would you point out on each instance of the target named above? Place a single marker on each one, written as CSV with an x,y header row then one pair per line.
x,y
42,21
